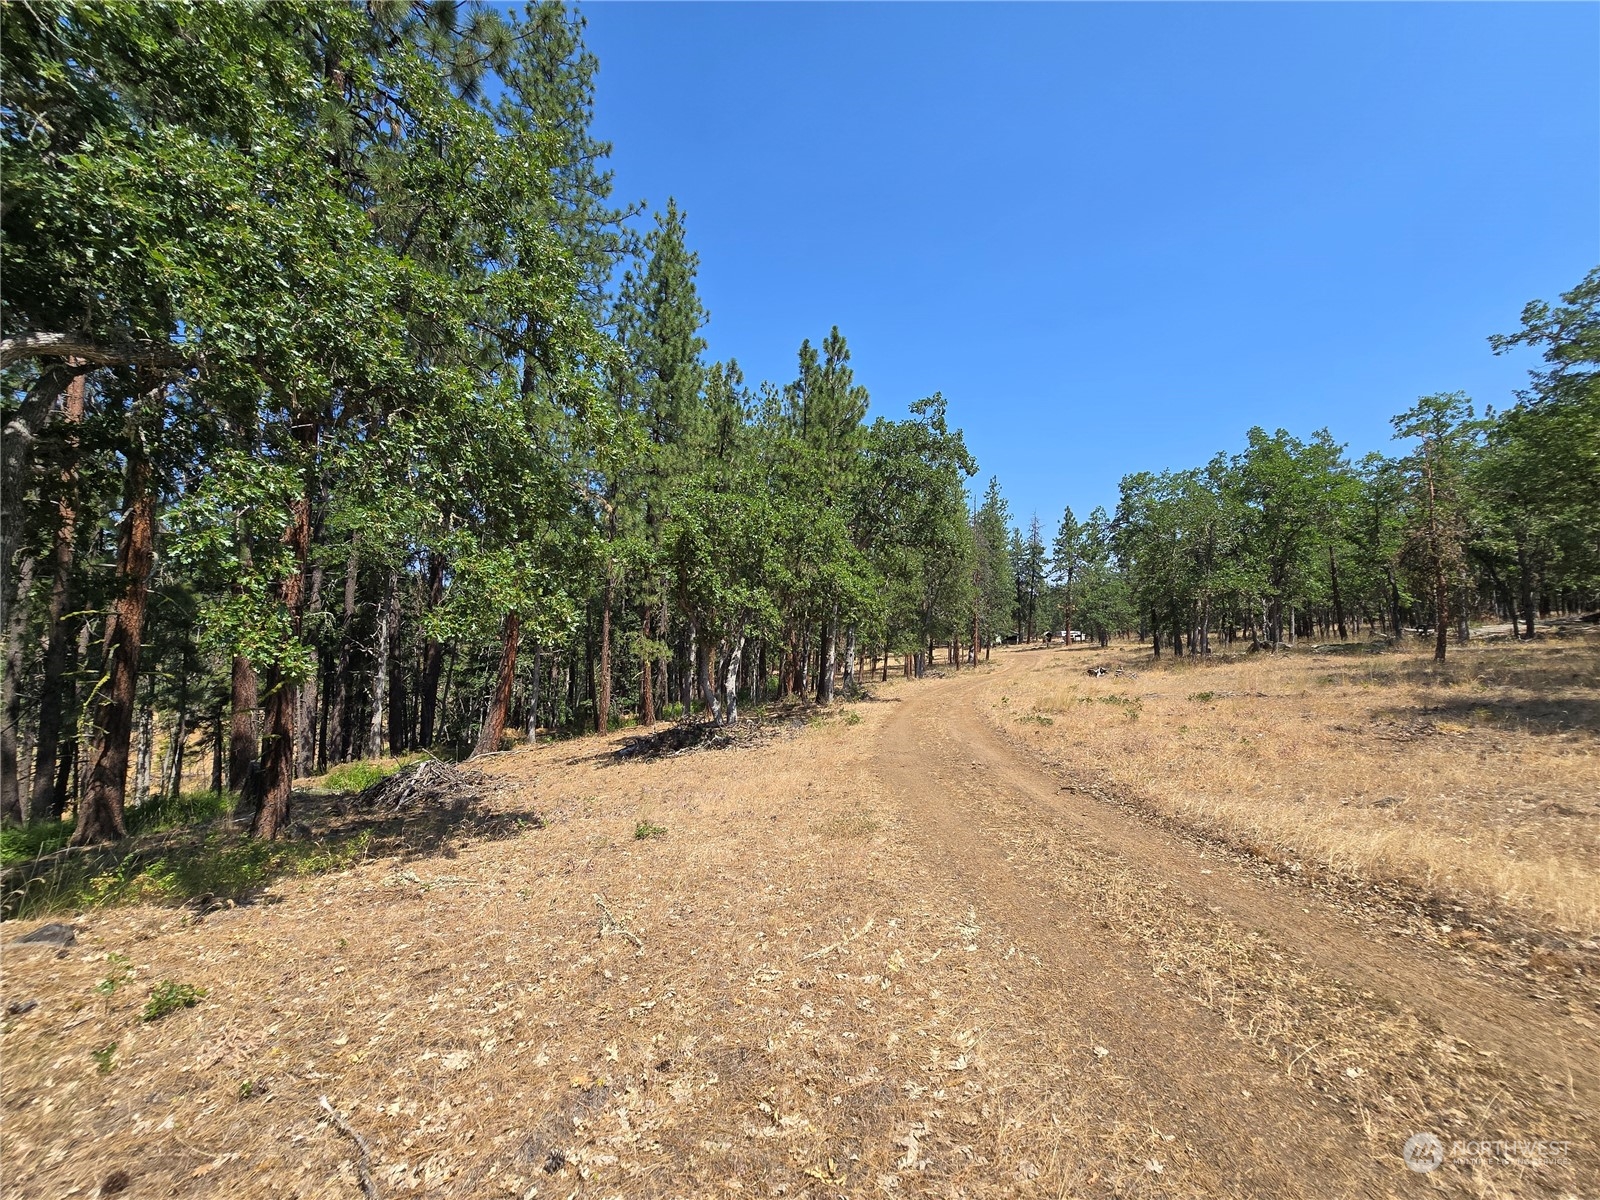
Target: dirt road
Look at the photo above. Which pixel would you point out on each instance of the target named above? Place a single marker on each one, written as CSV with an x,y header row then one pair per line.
x,y
1289,1041
890,948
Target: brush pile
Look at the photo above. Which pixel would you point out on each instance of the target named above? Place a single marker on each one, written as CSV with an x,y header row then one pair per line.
x,y
426,784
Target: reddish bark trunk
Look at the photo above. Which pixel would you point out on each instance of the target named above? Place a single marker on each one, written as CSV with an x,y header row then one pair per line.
x,y
282,693
100,814
494,722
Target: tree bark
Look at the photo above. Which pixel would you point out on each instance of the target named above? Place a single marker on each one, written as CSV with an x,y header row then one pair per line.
x,y
827,652
11,704
242,724
730,677
602,703
339,717
278,744
57,630
307,701
382,637
1525,586
647,695
494,721
432,655
100,814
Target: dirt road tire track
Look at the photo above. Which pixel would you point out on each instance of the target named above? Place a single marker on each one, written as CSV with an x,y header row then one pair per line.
x,y
966,791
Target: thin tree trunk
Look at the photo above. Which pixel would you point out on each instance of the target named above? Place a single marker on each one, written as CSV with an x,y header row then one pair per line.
x,y
827,651
850,660
647,695
730,685
339,719
307,702
57,634
1525,586
602,704
494,721
147,744
216,749
380,674
179,733
533,701
11,703
100,813
708,693
432,655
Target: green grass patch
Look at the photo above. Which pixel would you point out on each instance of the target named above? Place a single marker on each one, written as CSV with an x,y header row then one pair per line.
x,y
168,997
221,863
24,843
1203,697
358,776
644,831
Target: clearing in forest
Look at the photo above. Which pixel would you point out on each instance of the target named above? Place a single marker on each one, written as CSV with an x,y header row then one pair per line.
x,y
1232,929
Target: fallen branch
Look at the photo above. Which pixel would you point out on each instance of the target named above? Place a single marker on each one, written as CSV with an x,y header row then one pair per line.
x,y
610,924
839,945
363,1174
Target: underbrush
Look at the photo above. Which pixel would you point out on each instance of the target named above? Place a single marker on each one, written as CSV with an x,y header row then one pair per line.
x,y
221,864
360,774
24,843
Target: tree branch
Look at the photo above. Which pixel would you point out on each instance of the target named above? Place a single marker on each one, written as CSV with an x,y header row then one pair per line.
x,y
40,344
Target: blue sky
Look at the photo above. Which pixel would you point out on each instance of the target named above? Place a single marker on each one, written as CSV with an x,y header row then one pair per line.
x,y
1117,236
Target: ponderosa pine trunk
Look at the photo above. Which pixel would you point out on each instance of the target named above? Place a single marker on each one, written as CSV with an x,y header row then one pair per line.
x,y
278,741
100,812
242,724
494,720
58,633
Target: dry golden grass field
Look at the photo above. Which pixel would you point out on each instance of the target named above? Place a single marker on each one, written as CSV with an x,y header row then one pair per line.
x,y
1236,930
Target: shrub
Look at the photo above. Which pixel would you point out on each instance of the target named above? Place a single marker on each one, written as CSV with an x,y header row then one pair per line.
x,y
168,997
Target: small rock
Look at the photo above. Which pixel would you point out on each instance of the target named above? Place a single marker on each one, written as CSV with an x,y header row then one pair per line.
x,y
17,1007
53,934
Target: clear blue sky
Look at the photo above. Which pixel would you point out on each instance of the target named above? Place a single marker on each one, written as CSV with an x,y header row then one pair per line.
x,y
1116,236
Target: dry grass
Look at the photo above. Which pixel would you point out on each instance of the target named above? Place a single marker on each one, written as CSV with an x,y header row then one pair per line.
x,y
778,991
809,1011
1480,780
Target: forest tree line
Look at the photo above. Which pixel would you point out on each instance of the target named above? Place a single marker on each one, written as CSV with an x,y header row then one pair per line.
x,y
346,414
1487,513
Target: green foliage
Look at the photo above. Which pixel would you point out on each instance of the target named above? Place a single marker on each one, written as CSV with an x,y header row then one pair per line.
x,y
361,774
104,1059
119,970
645,831
23,843
168,997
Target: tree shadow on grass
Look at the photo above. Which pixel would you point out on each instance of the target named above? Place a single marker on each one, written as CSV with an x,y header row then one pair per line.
x,y
218,863
1546,716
